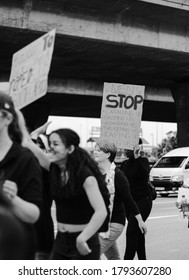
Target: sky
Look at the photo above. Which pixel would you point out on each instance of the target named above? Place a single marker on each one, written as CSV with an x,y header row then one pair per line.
x,y
153,132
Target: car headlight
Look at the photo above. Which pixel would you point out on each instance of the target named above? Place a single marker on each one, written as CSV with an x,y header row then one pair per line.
x,y
178,178
151,178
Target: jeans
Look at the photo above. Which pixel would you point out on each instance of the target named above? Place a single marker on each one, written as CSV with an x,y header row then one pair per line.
x,y
108,247
65,247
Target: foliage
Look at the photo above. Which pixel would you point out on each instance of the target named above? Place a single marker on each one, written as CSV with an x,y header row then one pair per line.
x,y
167,145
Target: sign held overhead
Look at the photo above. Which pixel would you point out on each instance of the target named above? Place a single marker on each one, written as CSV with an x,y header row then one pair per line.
x,y
29,73
121,114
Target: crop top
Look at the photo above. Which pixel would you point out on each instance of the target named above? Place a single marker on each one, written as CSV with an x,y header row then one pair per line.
x,y
75,209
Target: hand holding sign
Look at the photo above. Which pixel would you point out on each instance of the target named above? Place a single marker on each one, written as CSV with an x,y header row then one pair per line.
x,y
136,150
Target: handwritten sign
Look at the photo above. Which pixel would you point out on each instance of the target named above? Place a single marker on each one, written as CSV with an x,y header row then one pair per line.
x,y
29,73
121,114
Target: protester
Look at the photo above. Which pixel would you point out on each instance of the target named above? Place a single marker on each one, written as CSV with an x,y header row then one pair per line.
x,y
21,176
136,169
75,185
121,199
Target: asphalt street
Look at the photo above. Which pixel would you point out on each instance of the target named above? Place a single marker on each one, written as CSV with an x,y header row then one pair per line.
x,y
168,233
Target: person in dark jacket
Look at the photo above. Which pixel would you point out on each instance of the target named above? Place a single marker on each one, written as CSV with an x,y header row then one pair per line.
x,y
21,177
136,169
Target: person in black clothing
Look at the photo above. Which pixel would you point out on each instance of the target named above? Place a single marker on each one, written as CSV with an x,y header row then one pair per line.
x,y
21,177
12,234
136,169
76,182
120,199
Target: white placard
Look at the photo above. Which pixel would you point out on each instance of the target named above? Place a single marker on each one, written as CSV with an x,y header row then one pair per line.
x,y
121,114
29,73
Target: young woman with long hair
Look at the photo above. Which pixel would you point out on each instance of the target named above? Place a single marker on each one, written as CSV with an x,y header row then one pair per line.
x,y
76,182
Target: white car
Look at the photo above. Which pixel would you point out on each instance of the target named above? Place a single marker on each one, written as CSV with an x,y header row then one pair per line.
x,y
171,171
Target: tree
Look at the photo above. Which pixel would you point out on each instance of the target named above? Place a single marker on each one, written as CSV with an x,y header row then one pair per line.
x,y
167,145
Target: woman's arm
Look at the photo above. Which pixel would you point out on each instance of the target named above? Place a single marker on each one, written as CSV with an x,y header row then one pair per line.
x,y
40,130
123,191
24,210
96,200
39,154
28,143
141,224
122,186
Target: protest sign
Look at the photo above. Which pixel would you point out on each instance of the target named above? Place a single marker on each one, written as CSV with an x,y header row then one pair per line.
x,y
121,114
29,73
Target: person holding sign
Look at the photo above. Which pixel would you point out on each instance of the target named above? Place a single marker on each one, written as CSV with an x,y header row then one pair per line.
x,y
120,199
136,169
21,178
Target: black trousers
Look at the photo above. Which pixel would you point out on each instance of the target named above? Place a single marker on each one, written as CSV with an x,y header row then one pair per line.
x,y
65,247
135,239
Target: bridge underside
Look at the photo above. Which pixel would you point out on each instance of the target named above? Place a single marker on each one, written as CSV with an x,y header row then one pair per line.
x,y
130,42
89,106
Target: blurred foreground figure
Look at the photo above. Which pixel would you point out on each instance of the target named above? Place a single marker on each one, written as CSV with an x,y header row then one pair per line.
x,y
12,234
20,173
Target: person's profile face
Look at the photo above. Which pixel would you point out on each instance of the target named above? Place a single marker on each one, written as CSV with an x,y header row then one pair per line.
x,y
99,155
58,149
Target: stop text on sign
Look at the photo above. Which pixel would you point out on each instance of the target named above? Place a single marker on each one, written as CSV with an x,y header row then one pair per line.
x,y
124,101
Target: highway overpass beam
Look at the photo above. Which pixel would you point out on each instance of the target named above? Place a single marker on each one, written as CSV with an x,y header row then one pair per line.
x,y
180,93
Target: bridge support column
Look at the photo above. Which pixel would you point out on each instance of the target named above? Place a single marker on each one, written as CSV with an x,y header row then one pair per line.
x,y
180,93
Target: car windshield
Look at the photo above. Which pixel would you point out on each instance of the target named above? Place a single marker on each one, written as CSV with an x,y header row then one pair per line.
x,y
167,162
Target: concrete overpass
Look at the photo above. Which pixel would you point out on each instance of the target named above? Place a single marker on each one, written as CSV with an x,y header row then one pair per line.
x,y
144,42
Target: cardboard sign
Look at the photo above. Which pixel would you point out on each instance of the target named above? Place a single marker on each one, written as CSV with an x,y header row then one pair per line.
x,y
121,114
29,73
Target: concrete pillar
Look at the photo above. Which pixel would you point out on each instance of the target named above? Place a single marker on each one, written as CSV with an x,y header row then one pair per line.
x,y
180,92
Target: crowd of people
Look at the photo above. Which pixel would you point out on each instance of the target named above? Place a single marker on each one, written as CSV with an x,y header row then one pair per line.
x,y
94,199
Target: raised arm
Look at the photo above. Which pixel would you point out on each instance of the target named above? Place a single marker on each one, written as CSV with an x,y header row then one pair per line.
x,y
28,143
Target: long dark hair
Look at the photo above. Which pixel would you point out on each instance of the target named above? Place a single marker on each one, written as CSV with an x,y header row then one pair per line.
x,y
14,130
76,161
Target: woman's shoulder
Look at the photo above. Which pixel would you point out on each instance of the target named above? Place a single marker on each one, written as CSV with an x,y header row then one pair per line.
x,y
85,172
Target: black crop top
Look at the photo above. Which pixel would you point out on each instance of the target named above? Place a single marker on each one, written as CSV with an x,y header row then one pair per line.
x,y
75,209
